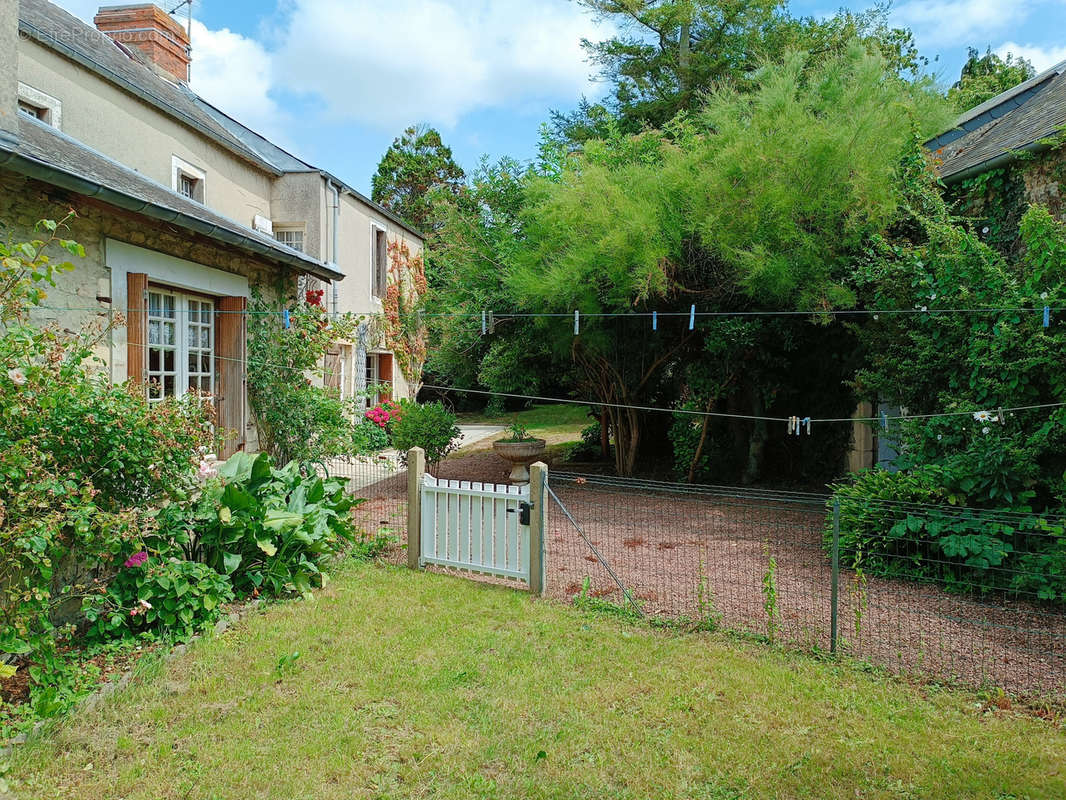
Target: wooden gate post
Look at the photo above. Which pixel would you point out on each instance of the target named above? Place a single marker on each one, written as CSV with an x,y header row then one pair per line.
x,y
416,469
538,518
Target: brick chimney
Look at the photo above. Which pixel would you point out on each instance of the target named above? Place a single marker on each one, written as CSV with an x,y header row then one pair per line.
x,y
160,38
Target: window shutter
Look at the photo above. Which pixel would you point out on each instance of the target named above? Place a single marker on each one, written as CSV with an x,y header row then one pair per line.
x,y
385,376
136,325
230,332
383,268
332,368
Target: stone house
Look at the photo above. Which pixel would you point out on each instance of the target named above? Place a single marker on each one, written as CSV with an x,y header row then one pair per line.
x,y
184,213
996,160
1006,154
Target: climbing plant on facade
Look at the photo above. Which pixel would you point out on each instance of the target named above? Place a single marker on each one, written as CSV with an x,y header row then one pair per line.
x,y
405,334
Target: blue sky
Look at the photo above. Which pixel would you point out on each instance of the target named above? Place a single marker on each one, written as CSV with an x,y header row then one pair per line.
x,y
335,80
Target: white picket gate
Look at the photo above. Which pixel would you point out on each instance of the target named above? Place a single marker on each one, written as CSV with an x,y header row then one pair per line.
x,y
475,526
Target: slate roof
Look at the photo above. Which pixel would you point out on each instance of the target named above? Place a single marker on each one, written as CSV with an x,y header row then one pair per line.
x,y
54,28
45,153
284,161
1014,120
58,30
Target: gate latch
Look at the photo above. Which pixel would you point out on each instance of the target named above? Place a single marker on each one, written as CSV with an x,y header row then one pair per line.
x,y
523,512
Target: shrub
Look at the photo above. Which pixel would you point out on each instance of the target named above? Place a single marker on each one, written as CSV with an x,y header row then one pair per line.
x,y
431,427
589,448
296,419
384,415
369,438
158,593
81,462
270,530
902,524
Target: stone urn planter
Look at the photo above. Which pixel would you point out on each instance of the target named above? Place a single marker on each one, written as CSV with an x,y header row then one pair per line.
x,y
521,454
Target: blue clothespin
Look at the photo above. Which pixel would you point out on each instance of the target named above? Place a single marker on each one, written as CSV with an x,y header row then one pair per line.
x,y
285,315
484,322
692,317
655,320
884,420
1047,316
577,322
805,421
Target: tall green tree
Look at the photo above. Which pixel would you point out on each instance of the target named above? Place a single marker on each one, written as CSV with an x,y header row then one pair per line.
x,y
985,76
669,53
760,201
416,172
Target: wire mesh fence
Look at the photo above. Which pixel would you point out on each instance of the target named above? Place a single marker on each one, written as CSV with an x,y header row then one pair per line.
x,y
952,594
382,482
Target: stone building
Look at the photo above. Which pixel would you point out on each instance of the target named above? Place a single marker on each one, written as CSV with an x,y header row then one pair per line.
x,y
184,212
1006,154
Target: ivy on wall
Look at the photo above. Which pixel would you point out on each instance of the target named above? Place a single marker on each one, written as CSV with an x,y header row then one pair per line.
x,y
997,199
405,335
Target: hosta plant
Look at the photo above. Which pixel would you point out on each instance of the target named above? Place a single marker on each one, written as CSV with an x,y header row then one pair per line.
x,y
269,529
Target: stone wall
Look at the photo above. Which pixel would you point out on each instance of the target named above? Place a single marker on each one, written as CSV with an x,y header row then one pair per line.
x,y
82,297
1045,181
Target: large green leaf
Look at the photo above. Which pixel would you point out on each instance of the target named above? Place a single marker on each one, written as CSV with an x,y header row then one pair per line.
x,y
238,467
236,499
230,561
278,520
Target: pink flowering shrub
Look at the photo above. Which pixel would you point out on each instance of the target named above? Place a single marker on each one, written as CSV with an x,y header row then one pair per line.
x,y
384,414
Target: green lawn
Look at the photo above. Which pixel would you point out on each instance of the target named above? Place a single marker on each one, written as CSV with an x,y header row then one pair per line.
x,y
557,423
414,685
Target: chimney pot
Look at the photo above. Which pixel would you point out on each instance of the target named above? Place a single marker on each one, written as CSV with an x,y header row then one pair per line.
x,y
150,29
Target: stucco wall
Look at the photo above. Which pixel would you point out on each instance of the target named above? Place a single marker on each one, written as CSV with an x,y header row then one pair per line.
x,y
299,199
8,65
83,297
128,130
356,259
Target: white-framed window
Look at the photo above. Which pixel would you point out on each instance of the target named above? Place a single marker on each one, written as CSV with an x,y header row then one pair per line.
x,y
373,370
379,261
181,344
41,106
188,180
290,237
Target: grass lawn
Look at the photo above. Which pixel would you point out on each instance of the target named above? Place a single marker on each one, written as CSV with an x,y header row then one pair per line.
x,y
414,685
558,423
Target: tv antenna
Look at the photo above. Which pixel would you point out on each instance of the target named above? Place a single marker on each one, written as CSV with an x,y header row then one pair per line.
x,y
188,24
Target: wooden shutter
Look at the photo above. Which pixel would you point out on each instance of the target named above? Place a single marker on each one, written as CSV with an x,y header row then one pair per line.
x,y
380,263
385,376
230,331
332,368
136,325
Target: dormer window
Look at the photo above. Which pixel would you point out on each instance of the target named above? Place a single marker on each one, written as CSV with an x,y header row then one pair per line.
x,y
187,186
188,180
40,106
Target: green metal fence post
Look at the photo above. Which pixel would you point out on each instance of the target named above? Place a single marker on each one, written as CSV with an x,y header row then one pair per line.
x,y
835,587
538,496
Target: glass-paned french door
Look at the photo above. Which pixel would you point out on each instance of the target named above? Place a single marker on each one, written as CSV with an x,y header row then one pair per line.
x,y
181,344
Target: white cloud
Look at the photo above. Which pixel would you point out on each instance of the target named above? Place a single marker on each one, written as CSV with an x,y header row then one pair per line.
x,y
943,23
235,74
229,70
393,63
1040,57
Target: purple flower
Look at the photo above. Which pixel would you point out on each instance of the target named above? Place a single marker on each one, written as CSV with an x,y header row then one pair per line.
x,y
136,560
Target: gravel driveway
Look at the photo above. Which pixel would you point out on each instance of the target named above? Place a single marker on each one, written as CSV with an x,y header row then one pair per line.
x,y
692,556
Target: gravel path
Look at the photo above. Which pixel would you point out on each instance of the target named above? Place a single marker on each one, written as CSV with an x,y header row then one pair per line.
x,y
705,556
